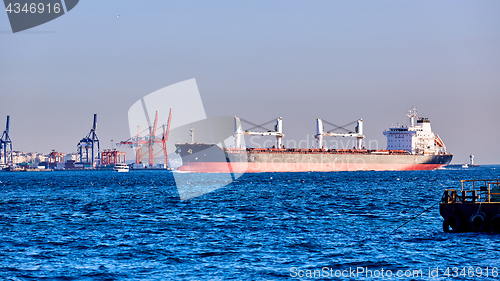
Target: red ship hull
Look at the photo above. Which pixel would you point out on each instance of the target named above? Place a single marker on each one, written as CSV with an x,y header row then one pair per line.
x,y
227,167
209,158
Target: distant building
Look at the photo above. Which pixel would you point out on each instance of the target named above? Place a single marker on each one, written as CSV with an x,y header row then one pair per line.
x,y
72,157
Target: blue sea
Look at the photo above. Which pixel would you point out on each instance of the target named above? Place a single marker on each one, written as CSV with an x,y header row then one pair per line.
x,y
103,225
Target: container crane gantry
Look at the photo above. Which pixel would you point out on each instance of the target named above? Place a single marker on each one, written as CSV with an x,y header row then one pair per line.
x,y
91,141
6,145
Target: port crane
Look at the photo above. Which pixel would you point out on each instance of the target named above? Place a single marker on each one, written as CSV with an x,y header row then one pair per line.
x,y
278,131
358,132
137,142
6,145
91,141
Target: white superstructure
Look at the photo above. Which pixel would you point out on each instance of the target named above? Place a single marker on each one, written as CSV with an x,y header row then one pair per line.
x,y
416,139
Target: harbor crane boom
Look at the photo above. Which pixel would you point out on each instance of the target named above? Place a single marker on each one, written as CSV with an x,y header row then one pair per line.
x,y
149,140
91,141
6,143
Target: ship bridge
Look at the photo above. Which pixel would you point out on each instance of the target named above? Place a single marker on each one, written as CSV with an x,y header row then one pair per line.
x,y
417,138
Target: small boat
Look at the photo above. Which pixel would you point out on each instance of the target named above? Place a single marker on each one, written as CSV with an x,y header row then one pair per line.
x,y
121,167
475,207
465,166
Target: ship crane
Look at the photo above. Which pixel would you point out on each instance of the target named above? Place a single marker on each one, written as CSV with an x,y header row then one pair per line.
x,y
278,131
358,132
6,143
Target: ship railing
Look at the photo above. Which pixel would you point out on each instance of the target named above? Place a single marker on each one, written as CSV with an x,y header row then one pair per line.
x,y
474,191
451,196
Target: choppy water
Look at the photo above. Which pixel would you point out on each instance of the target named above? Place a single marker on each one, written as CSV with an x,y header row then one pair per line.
x,y
107,226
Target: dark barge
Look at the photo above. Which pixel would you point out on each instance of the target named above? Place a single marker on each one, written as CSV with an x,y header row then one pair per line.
x,y
476,208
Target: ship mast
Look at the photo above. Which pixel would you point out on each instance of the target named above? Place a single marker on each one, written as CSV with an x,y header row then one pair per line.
x,y
412,113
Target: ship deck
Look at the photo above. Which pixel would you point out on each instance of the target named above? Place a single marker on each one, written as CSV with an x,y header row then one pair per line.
x,y
318,151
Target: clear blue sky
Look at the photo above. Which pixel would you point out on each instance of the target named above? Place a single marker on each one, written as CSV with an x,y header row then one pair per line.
x,y
338,60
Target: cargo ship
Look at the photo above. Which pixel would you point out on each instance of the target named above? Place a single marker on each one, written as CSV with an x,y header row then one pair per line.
x,y
412,147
